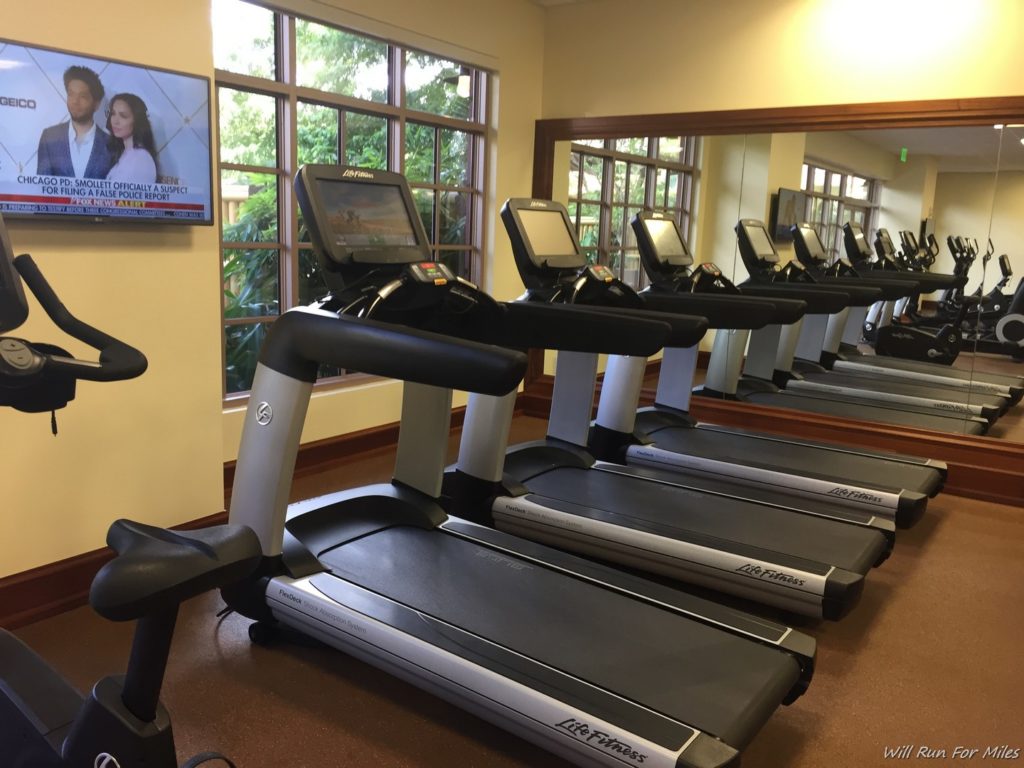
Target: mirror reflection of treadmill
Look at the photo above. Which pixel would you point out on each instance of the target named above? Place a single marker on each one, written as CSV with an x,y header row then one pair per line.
x,y
666,257
544,644
857,250
753,249
942,396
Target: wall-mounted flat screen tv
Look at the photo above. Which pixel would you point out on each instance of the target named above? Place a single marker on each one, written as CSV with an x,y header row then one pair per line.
x,y
789,207
102,139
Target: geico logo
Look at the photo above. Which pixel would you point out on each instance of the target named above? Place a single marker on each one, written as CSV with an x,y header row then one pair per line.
x,y
10,101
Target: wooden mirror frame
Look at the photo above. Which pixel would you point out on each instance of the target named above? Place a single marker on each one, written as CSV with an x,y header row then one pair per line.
x,y
979,467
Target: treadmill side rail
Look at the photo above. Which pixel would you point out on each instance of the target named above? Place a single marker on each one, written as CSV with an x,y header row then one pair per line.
x,y
874,500
797,590
319,607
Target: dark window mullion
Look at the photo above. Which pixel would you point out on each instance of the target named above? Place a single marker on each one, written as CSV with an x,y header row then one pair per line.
x,y
270,171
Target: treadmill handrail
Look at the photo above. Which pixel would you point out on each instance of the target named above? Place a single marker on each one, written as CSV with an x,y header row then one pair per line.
x,y
722,310
301,339
820,301
582,328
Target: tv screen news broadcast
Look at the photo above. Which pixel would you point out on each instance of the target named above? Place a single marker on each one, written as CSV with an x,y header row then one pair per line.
x,y
101,139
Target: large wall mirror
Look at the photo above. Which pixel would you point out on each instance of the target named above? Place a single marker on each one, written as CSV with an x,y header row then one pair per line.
x,y
943,170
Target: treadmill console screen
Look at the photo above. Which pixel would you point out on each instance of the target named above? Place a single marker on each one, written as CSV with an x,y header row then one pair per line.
x,y
366,215
761,243
813,243
668,245
859,238
13,309
887,246
546,233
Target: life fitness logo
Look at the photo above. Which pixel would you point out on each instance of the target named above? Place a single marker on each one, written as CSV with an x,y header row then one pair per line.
x,y
264,413
104,760
352,172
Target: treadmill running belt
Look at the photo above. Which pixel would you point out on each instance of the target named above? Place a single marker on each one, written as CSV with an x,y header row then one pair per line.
x,y
754,525
806,402
715,681
796,459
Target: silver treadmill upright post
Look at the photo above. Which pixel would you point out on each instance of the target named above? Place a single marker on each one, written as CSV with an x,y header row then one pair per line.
x,y
266,456
423,437
834,331
620,393
787,344
675,380
762,351
485,435
885,318
726,360
855,323
812,338
572,400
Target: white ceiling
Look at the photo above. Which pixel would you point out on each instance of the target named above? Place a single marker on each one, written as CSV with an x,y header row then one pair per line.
x,y
970,149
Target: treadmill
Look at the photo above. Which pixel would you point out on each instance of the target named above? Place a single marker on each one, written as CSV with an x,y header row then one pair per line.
x,y
818,373
669,437
613,438
597,666
556,492
859,255
770,358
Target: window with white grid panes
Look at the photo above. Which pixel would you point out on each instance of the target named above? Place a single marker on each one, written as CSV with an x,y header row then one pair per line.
x,y
292,91
611,180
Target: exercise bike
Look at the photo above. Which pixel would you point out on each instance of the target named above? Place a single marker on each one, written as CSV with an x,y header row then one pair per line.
x,y
1000,327
44,721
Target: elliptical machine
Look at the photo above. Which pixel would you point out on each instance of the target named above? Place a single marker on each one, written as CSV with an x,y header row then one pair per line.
x,y
938,346
44,721
1001,324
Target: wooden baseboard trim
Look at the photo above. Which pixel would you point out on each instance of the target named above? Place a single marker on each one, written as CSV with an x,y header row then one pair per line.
x,y
979,467
51,589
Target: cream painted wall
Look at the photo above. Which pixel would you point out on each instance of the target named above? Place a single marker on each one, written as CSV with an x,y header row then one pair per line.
x,y
731,175
963,202
908,197
150,448
840,150
743,54
153,449
785,163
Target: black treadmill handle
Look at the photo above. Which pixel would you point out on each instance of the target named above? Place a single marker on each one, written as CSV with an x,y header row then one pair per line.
x,y
861,295
301,339
685,330
117,359
819,301
928,281
722,310
580,328
890,289
786,310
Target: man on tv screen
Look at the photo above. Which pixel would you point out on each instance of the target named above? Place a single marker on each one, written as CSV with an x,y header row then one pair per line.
x,y
78,147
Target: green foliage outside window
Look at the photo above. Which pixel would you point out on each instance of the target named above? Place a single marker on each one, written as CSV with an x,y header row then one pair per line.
x,y
331,61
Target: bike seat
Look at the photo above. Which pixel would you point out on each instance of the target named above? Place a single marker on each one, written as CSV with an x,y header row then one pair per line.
x,y
156,568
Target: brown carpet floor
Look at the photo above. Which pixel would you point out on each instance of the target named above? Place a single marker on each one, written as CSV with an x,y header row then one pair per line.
x,y
931,658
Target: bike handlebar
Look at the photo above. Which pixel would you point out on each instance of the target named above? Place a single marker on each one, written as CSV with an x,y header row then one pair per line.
x,y
117,360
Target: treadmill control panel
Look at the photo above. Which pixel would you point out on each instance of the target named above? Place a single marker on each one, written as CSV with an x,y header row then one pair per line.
x,y
601,273
710,269
431,272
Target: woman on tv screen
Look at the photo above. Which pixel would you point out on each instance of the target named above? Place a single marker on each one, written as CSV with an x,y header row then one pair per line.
x,y
132,147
